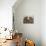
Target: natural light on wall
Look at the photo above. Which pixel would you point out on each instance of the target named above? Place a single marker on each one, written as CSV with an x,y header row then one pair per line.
x,y
6,13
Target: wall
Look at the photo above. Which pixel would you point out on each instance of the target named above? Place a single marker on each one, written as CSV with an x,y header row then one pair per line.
x,y
43,22
6,13
29,8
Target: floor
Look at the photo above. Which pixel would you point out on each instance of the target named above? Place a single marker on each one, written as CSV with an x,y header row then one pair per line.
x,y
9,43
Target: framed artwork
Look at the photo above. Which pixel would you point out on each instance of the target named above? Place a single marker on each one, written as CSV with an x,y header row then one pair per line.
x,y
28,20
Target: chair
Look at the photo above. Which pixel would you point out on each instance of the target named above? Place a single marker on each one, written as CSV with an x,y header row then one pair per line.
x,y
29,43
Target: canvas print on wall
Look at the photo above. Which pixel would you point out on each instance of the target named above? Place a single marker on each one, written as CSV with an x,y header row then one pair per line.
x,y
28,20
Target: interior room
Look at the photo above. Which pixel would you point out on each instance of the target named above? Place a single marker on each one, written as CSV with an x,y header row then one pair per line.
x,y
22,22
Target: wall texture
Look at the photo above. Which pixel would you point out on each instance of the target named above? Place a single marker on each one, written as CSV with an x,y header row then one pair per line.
x,y
29,8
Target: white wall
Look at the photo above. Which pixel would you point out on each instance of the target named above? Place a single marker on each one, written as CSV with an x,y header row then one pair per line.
x,y
29,8
6,13
43,22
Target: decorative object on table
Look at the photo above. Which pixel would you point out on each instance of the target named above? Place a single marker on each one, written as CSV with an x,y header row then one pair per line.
x,y
28,20
29,43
